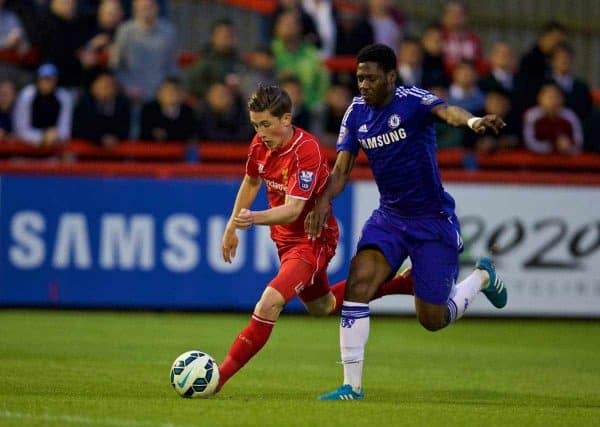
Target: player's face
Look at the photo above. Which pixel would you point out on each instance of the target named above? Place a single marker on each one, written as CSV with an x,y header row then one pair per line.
x,y
375,85
273,131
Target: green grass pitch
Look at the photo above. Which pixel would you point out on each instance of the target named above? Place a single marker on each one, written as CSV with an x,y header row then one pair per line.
x,y
70,368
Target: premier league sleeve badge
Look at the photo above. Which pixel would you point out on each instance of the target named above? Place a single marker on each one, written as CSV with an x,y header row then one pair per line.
x,y
306,179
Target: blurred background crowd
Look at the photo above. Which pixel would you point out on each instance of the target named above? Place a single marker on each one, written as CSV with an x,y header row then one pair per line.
x,y
109,71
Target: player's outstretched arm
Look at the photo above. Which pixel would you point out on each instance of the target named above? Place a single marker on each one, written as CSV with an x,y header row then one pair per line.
x,y
457,116
246,195
316,219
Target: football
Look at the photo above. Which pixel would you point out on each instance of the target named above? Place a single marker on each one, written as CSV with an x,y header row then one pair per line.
x,y
194,374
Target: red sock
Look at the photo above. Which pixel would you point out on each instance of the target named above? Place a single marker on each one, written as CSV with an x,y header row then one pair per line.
x,y
400,285
338,292
246,345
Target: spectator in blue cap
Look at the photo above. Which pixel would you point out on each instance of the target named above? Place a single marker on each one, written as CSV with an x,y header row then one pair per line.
x,y
47,70
43,111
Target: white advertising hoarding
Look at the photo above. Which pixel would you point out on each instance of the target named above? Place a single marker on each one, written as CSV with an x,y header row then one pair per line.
x,y
546,240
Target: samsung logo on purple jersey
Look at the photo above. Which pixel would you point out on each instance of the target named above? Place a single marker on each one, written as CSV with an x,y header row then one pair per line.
x,y
381,140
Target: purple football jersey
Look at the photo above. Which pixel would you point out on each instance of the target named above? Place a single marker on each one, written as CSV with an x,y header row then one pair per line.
x,y
399,141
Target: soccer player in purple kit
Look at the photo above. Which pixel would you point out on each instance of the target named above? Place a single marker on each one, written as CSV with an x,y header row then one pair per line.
x,y
395,128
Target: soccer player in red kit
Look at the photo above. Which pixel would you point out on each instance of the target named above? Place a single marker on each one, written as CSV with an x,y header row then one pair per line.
x,y
291,163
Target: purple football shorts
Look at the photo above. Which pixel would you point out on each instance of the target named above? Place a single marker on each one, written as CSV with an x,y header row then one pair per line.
x,y
433,245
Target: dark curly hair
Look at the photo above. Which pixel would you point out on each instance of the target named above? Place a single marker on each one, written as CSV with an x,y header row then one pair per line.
x,y
380,54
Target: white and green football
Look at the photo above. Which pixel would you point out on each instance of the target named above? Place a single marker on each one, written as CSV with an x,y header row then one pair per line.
x,y
194,374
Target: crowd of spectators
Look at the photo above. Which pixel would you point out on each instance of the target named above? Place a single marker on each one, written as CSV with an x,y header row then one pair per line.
x,y
107,71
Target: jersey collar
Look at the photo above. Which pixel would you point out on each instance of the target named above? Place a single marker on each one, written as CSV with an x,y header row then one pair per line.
x,y
296,136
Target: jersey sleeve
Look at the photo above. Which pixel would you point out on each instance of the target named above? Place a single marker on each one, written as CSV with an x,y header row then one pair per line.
x,y
347,140
251,163
427,100
304,170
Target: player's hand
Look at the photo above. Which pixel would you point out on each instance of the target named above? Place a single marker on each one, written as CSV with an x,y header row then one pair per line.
x,y
244,219
315,220
489,122
229,244
308,219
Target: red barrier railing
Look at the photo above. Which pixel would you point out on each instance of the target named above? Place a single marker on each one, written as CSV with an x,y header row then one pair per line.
x,y
522,159
111,169
228,170
228,152
86,151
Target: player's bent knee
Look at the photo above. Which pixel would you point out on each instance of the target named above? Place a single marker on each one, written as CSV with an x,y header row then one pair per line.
x,y
433,323
268,310
321,307
431,326
319,310
270,304
432,317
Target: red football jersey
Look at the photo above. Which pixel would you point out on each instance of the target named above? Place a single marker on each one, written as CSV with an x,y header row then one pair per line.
x,y
298,169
